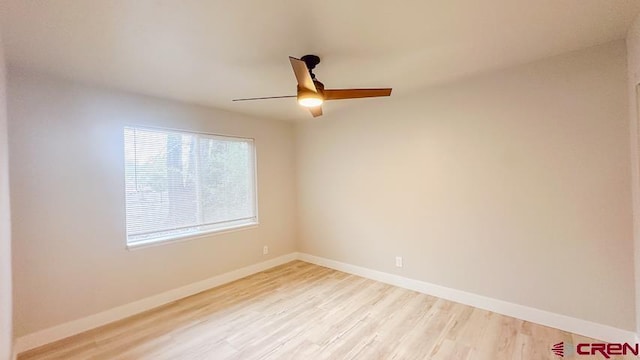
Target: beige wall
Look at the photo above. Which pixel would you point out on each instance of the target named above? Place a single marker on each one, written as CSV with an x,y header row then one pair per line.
x,y
514,185
633,64
66,147
6,337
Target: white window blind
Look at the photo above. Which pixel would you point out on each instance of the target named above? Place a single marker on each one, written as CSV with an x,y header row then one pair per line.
x,y
180,184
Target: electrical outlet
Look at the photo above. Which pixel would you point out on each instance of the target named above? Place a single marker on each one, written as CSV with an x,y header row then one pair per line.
x,y
399,261
265,250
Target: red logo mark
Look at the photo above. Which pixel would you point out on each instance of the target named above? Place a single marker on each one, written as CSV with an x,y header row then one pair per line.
x,y
604,349
607,350
558,349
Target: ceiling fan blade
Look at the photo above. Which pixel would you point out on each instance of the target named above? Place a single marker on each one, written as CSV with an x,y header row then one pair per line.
x,y
316,111
302,74
265,98
339,94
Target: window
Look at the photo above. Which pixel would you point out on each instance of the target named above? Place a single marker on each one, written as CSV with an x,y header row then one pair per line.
x,y
181,184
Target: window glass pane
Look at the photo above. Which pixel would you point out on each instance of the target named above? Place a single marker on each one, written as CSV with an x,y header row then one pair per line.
x,y
226,170
184,183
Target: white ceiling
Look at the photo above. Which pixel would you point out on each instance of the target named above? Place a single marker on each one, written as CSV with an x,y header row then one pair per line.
x,y
211,51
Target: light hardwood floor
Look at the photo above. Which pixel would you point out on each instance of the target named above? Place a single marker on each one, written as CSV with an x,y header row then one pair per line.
x,y
304,311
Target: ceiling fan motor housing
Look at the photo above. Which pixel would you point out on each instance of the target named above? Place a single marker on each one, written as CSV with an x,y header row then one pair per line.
x,y
319,88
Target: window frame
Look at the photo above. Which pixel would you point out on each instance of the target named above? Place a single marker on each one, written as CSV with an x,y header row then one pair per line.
x,y
236,225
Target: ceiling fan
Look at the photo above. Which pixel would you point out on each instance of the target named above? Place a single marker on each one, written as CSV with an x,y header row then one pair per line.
x,y
311,92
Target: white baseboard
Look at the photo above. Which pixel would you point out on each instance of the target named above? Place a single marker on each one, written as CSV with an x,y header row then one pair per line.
x,y
58,332
542,317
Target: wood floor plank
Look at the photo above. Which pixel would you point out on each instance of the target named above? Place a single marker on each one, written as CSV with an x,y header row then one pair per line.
x,y
304,311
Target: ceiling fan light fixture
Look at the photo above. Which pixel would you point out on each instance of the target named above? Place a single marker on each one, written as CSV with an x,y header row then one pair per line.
x,y
310,99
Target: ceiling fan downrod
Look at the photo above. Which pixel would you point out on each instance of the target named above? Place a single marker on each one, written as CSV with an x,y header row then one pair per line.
x,y
311,61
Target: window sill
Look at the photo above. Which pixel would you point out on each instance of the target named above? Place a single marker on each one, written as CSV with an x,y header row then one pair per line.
x,y
186,237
